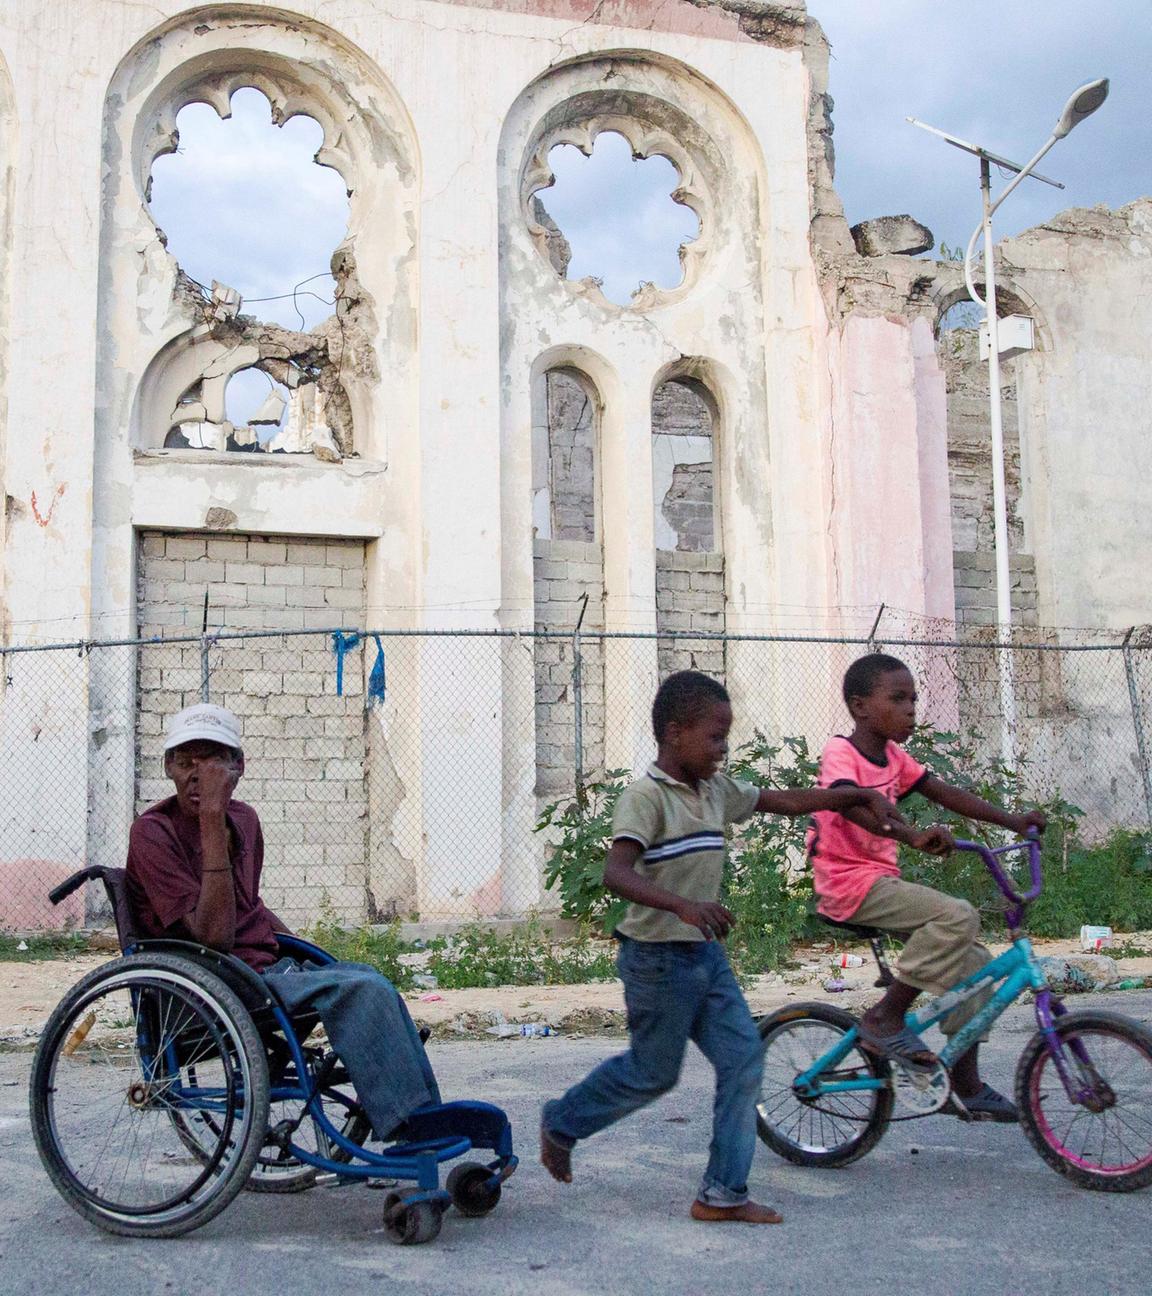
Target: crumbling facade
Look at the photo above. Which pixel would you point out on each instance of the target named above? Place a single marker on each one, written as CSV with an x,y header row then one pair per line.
x,y
485,441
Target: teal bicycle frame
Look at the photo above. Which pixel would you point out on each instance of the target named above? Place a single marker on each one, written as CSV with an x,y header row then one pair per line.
x,y
1016,969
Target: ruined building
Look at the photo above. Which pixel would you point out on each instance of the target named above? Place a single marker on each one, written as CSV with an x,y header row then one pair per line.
x,y
474,441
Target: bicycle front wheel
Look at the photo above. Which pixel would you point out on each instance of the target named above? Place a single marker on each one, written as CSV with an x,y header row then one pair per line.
x,y
835,1128
1104,1142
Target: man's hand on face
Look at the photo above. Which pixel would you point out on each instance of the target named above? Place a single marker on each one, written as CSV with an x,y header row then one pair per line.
x,y
217,778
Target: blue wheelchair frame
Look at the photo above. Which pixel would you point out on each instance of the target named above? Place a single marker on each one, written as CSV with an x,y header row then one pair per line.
x,y
437,1133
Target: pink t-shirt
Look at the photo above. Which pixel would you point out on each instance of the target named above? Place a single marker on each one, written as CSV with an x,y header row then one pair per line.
x,y
847,860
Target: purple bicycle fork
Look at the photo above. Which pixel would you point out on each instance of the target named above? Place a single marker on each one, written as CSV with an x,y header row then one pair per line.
x,y
1048,1007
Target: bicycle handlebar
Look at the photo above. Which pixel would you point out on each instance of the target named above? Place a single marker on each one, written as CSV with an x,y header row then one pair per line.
x,y
990,856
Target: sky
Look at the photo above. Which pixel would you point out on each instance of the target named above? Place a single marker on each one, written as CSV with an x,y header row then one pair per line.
x,y
995,74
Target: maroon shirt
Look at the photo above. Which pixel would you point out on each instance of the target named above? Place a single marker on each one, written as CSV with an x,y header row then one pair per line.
x,y
165,870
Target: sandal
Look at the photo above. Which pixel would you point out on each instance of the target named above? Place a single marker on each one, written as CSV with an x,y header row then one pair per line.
x,y
987,1104
901,1047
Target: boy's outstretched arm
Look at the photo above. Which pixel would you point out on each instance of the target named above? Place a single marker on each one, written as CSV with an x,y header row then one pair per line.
x,y
882,814
621,878
962,802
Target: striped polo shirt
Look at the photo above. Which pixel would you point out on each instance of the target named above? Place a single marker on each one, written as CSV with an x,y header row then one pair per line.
x,y
682,832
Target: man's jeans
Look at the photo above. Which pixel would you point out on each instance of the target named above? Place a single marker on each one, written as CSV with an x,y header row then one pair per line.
x,y
370,1029
677,991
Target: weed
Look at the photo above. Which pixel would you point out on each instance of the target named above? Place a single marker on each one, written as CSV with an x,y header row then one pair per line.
x,y
476,956
40,946
768,885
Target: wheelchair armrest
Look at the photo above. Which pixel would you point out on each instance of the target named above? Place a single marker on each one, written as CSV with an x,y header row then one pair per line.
x,y
293,946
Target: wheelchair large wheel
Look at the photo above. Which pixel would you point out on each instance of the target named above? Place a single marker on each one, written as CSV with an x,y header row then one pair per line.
x,y
830,1131
132,1046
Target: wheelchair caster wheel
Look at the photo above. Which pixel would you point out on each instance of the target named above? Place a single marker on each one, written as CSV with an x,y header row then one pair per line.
x,y
409,1224
473,1193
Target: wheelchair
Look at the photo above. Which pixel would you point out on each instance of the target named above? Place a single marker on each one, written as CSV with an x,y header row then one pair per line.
x,y
171,1078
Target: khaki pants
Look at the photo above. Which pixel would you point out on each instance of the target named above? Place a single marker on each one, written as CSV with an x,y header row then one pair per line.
x,y
939,934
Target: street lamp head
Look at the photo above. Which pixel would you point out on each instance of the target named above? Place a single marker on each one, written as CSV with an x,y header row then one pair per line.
x,y
1083,103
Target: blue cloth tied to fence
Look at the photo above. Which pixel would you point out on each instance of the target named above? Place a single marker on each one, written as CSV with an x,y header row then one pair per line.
x,y
344,642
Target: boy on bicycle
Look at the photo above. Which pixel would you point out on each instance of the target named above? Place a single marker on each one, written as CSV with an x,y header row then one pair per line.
x,y
857,878
667,858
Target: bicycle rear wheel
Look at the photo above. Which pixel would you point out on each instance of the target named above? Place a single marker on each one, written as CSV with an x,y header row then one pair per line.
x,y
832,1130
1105,1144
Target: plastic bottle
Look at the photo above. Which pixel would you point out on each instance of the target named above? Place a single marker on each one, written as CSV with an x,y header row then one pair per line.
x,y
535,1030
849,960
425,981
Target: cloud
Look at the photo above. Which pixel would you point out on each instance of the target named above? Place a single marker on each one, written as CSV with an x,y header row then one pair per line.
x,y
618,215
244,202
995,74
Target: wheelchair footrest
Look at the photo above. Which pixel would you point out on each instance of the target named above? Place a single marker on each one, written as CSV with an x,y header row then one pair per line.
x,y
484,1125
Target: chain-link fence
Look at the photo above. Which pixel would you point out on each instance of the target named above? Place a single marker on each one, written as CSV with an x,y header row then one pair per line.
x,y
402,773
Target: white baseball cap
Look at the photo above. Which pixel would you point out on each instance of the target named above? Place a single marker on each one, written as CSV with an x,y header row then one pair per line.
x,y
202,722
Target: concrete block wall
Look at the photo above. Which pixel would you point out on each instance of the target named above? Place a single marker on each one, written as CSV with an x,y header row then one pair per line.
x,y
690,596
304,745
571,457
565,570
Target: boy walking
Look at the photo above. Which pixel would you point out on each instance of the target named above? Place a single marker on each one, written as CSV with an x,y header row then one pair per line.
x,y
667,858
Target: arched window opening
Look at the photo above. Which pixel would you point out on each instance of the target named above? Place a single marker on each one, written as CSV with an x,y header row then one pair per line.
x,y
242,201
689,564
568,575
615,217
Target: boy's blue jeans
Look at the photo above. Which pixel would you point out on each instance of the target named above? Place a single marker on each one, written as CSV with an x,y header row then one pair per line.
x,y
676,991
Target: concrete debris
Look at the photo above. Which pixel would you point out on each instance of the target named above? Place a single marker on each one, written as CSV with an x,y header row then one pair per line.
x,y
226,302
892,235
1080,973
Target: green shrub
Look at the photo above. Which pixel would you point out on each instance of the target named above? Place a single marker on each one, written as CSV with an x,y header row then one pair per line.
x,y
768,884
576,861
1109,883
379,948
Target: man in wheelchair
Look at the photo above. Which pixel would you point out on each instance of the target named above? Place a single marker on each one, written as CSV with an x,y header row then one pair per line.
x,y
194,864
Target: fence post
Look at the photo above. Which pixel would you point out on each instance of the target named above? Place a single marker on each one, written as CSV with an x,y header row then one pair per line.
x,y
875,627
1137,722
205,671
578,702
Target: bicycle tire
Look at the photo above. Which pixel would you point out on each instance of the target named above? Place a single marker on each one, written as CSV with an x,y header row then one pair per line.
x,y
1041,1098
799,1130
90,1058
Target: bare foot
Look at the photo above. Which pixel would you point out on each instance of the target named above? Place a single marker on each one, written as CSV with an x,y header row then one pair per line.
x,y
748,1212
555,1157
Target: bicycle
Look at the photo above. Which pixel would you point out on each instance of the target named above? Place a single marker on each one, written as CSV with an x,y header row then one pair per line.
x,y
1083,1082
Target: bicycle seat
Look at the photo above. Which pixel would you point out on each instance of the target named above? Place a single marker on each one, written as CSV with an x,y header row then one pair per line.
x,y
855,929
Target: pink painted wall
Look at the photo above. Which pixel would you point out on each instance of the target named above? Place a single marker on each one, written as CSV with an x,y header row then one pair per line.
x,y
24,887
890,528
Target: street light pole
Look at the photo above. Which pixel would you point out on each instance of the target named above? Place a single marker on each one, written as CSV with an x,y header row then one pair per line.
x,y
1081,104
1005,674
